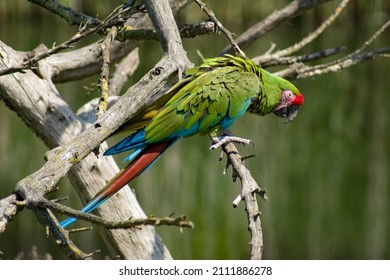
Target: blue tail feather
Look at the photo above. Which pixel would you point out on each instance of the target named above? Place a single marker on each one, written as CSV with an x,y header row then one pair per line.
x,y
134,154
134,141
97,201
92,205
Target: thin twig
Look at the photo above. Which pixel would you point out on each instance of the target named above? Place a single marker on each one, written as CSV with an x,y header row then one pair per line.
x,y
356,57
84,32
39,202
45,216
105,73
370,40
272,21
302,71
228,34
301,58
305,41
186,31
71,16
116,18
180,221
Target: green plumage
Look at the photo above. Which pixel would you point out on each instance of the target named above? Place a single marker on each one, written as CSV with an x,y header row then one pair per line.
x,y
219,88
209,99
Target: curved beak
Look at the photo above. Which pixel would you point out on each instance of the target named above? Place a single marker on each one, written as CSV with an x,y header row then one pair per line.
x,y
288,113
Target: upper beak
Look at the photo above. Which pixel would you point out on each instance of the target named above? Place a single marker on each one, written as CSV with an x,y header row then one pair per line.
x,y
288,113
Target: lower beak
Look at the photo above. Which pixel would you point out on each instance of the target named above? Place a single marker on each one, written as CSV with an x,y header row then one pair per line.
x,y
288,113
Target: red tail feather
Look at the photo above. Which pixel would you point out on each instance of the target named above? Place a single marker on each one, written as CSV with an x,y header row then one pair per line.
x,y
136,167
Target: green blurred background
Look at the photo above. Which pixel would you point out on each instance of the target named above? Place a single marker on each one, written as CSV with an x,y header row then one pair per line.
x,y
326,173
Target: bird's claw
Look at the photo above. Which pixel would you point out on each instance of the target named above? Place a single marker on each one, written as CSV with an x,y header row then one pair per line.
x,y
221,140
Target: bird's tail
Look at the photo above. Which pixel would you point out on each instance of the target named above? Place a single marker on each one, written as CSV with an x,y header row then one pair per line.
x,y
142,161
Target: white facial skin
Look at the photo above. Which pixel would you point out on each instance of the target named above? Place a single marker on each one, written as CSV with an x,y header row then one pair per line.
x,y
289,104
287,99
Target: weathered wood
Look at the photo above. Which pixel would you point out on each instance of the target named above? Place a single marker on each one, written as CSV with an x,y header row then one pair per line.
x,y
39,104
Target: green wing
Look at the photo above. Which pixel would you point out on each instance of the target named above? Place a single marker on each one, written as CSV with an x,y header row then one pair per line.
x,y
202,102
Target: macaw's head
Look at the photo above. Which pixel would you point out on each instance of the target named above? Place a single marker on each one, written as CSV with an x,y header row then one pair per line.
x,y
289,105
283,97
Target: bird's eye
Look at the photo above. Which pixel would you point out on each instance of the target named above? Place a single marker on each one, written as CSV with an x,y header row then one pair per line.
x,y
290,94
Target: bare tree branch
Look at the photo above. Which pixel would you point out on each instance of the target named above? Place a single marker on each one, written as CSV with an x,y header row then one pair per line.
x,y
83,62
39,104
84,32
38,203
61,159
274,20
105,73
356,57
249,190
52,120
62,67
71,16
228,34
186,31
302,71
301,58
264,59
47,218
370,40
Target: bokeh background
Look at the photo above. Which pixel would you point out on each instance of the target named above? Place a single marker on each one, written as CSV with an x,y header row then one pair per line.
x,y
327,173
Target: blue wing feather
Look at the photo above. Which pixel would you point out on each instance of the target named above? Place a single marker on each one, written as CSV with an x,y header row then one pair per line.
x,y
227,121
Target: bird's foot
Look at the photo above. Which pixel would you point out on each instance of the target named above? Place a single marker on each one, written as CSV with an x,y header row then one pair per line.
x,y
224,139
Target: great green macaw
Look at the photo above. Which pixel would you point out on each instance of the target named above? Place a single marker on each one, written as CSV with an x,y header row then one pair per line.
x,y
208,100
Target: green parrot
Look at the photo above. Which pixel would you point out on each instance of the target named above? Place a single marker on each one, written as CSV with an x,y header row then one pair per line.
x,y
207,100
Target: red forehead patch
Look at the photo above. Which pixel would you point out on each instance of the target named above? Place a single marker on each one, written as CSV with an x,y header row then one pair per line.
x,y
298,100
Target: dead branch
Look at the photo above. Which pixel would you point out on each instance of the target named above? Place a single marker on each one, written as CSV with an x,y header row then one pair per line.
x,y
105,73
272,21
249,191
180,221
78,64
370,40
301,58
71,16
47,218
356,57
84,32
266,58
52,120
228,34
302,71
186,31
38,203
64,157
127,33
